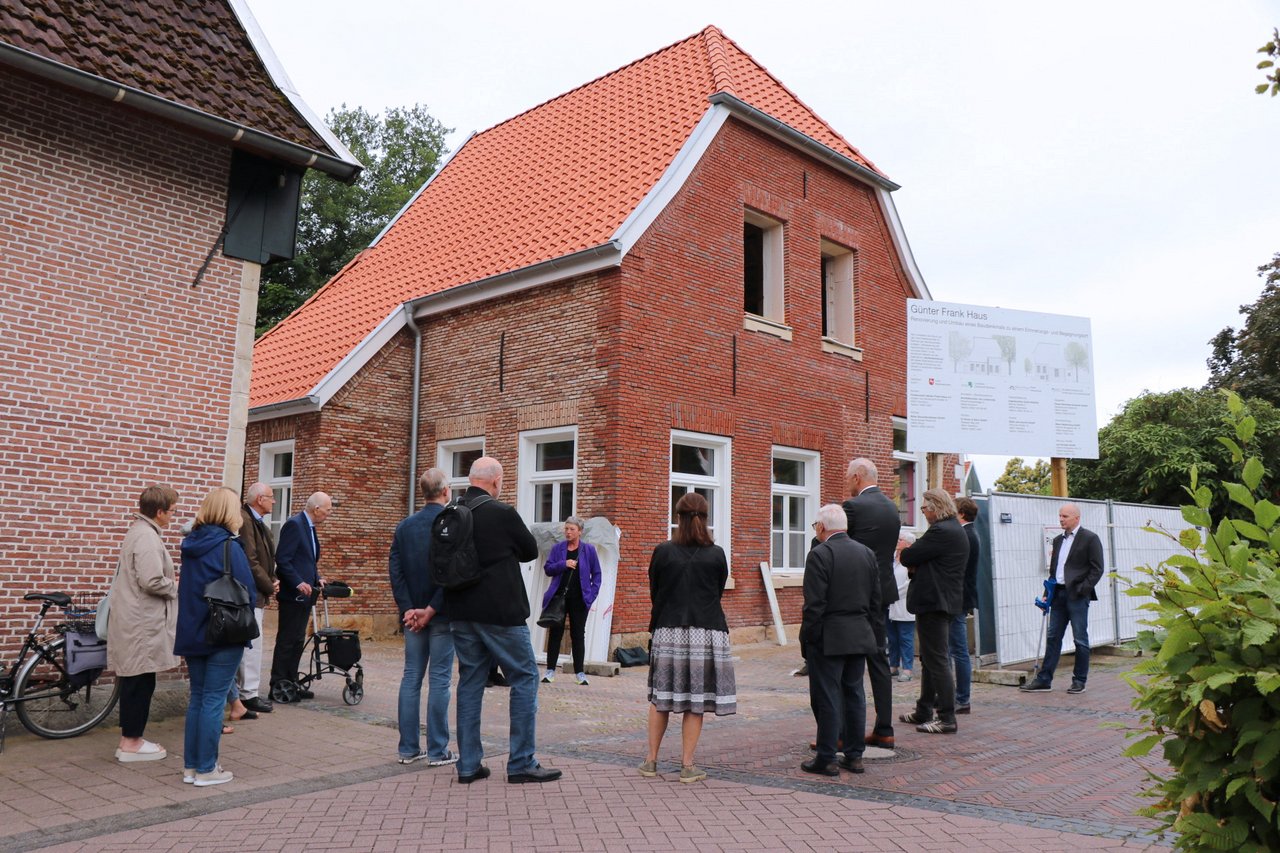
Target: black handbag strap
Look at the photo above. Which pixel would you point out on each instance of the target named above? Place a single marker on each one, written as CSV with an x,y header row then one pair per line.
x,y
226,558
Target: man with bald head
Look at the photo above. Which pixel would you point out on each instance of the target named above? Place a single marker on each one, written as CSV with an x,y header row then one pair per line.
x,y
1075,566
489,621
297,568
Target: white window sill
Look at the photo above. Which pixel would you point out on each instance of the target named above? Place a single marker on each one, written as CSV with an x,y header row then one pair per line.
x,y
754,323
783,578
848,351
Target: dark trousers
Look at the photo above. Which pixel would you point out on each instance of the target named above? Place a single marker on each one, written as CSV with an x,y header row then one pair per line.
x,y
135,702
881,680
839,703
291,636
938,683
576,609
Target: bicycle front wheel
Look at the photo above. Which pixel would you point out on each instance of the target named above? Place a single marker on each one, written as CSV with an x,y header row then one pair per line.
x,y
51,705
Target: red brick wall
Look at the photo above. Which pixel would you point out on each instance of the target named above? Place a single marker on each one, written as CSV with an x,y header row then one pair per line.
x,y
116,371
627,355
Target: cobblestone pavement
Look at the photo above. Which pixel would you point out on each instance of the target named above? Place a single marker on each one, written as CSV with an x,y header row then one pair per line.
x,y
1025,772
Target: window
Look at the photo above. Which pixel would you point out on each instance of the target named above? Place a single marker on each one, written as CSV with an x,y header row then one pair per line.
x,y
795,506
455,456
275,468
909,474
700,463
548,465
762,267
837,293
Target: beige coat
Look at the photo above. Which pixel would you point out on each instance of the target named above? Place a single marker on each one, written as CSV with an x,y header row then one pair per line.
x,y
144,604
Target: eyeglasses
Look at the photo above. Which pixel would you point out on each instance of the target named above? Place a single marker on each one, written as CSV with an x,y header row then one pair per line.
x,y
814,526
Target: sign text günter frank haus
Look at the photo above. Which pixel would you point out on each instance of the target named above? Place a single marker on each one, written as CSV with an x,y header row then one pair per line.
x,y
995,381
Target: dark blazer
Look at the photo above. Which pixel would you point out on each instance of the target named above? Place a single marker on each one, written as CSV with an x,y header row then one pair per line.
x,y
260,548
936,564
409,564
503,542
874,521
294,561
1084,563
685,585
588,571
971,568
841,591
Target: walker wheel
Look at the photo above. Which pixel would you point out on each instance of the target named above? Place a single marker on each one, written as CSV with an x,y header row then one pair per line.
x,y
352,693
284,691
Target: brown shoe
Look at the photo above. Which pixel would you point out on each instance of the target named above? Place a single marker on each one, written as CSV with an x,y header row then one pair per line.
x,y
884,741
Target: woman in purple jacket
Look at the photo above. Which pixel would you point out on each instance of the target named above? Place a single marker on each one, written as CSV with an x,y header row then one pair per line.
x,y
574,566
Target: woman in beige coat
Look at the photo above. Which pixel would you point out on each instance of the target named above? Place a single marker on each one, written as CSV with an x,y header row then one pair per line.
x,y
142,620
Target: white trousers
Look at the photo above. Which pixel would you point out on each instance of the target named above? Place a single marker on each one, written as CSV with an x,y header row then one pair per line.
x,y
249,675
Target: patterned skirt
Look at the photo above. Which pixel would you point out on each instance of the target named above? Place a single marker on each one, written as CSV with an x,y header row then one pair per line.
x,y
690,669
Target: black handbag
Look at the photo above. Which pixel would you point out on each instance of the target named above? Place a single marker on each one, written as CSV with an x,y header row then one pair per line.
x,y
231,618
553,613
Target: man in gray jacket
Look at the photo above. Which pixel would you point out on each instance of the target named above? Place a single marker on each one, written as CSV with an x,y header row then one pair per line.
x,y
841,594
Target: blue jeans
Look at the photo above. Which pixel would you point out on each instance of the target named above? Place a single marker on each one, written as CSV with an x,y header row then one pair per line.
x,y
902,644
1076,612
432,645
211,677
479,646
958,642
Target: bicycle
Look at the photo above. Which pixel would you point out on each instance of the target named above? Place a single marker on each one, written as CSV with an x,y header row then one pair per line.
x,y
50,699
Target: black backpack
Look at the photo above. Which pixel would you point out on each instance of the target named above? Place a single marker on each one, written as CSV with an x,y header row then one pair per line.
x,y
454,564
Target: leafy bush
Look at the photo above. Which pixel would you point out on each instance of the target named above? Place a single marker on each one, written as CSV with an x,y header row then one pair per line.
x,y
1210,692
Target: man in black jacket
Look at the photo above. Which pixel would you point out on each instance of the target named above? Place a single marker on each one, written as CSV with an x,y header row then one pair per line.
x,y
874,522
841,592
1076,566
490,625
936,567
958,636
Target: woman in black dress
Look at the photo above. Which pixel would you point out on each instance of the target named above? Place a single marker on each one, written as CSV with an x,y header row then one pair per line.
x,y
690,668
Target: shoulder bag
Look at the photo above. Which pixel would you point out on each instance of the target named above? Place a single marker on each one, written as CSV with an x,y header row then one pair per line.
x,y
231,618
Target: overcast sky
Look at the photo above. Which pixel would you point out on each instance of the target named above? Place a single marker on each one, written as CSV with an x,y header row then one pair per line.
x,y
1100,159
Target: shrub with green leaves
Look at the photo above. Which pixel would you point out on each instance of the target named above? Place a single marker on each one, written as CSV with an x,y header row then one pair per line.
x,y
1210,691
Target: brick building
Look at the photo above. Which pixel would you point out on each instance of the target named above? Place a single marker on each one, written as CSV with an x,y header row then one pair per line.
x,y
674,277
136,138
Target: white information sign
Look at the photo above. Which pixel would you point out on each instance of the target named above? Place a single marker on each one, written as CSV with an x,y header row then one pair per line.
x,y
1000,382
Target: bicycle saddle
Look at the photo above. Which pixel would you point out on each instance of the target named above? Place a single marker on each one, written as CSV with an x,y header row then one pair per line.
x,y
61,599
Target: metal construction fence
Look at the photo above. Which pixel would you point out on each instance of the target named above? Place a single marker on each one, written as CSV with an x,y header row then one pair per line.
x,y
1016,534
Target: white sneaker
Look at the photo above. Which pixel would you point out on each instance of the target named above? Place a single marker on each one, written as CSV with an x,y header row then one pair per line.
x,y
217,776
904,675
189,774
450,757
549,677
582,679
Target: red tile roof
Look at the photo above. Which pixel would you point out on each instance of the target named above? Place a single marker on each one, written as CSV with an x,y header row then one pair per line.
x,y
192,52
556,179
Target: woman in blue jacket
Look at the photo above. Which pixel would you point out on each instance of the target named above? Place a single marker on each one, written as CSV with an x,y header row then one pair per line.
x,y
211,669
573,565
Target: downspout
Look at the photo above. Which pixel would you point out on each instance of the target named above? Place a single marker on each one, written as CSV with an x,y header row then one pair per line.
x,y
417,395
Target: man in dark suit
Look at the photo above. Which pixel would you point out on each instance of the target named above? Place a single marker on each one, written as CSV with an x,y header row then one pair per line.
x,y
874,522
958,638
260,548
841,592
297,559
1076,566
490,625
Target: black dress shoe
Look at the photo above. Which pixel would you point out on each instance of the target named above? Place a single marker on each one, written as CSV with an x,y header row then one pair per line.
x,y
468,778
536,773
962,709
305,694
853,765
255,703
821,768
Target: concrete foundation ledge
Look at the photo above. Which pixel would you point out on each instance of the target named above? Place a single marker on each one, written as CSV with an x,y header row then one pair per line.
x,y
1010,677
607,669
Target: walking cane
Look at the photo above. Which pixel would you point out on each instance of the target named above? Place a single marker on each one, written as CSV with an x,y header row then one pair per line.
x,y
1044,604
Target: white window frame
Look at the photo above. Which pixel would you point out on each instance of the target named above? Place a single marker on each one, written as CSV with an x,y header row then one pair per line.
x,y
772,272
267,454
916,519
838,294
812,462
529,478
445,451
719,483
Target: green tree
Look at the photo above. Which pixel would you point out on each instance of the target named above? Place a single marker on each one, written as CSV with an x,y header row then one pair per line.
x,y
1248,361
1272,51
1026,479
400,150
1209,694
1148,450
